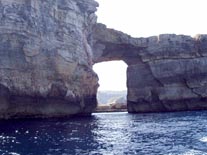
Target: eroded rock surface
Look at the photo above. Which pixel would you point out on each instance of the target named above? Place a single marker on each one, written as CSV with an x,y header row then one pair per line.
x,y
165,73
45,58
48,47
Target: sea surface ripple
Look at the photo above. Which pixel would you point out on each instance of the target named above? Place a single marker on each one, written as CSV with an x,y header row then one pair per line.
x,y
183,133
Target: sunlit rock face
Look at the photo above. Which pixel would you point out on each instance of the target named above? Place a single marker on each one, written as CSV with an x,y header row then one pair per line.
x,y
48,47
165,73
45,58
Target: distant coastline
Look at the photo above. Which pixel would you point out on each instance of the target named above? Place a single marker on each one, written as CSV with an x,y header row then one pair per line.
x,y
108,108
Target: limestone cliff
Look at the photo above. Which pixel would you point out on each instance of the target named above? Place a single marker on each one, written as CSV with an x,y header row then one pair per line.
x,y
165,73
45,58
48,47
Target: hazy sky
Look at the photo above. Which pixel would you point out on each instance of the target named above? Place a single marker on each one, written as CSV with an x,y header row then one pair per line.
x,y
112,75
143,18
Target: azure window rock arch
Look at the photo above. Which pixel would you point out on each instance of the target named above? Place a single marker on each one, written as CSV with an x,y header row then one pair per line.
x,y
165,72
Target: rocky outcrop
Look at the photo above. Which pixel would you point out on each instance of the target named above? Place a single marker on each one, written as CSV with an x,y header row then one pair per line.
x,y
45,58
165,73
48,47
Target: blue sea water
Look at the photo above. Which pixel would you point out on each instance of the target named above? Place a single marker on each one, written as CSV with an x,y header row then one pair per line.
x,y
183,133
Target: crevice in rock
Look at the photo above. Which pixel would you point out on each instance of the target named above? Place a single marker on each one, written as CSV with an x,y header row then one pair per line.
x,y
156,79
192,90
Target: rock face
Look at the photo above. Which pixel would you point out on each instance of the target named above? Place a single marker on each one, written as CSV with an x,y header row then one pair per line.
x,y
45,58
165,73
48,47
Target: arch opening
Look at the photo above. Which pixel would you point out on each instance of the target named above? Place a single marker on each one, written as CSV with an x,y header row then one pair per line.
x,y
112,92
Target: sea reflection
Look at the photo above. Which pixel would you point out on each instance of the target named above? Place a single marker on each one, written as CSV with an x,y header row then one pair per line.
x,y
112,134
71,136
107,134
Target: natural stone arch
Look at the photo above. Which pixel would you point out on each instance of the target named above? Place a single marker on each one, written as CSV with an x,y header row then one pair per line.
x,y
109,45
47,51
165,72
